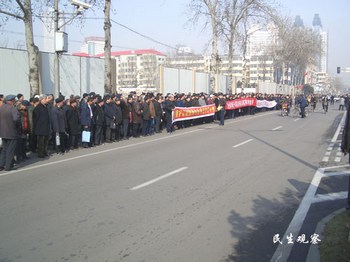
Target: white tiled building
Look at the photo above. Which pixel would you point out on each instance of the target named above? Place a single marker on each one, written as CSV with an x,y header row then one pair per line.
x,y
138,69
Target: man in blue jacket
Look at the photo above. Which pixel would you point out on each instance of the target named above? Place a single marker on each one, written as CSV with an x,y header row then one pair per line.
x,y
302,103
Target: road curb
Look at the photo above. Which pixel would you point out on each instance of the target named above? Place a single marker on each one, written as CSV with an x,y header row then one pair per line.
x,y
314,250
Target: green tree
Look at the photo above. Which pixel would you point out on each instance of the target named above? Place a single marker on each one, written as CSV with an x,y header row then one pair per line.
x,y
308,89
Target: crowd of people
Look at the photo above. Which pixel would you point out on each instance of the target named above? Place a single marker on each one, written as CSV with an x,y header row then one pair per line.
x,y
44,125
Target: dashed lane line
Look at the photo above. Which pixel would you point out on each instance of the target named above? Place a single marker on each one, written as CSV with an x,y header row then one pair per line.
x,y
150,182
243,143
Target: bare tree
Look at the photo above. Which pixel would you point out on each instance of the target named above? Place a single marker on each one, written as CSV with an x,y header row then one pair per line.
x,y
237,16
296,49
209,10
23,10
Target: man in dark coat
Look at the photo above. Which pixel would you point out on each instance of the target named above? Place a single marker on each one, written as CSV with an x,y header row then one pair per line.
x,y
9,123
109,118
303,103
145,116
41,126
159,112
59,126
222,103
126,110
99,121
73,124
86,119
169,106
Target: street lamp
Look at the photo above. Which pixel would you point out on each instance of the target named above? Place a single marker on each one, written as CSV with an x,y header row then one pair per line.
x,y
61,38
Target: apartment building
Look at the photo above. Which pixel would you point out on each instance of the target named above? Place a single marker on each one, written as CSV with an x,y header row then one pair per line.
x,y
138,69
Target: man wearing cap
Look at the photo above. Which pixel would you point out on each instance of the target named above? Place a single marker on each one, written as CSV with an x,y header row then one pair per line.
x,y
9,123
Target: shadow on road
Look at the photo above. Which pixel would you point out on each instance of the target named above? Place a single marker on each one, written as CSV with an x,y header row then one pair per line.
x,y
271,217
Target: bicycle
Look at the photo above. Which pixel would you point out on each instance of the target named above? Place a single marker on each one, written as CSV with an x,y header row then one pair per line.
x,y
295,112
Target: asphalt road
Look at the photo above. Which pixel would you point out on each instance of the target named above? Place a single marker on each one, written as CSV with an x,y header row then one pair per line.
x,y
205,193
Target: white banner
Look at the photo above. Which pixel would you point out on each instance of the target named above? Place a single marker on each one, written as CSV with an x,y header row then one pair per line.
x,y
265,103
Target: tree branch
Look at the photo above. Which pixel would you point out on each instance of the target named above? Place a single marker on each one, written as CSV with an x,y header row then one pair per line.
x,y
11,14
21,6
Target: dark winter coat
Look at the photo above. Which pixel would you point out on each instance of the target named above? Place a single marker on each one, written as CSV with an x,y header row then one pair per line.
x,y
99,115
85,117
73,121
118,115
109,113
126,109
41,120
158,108
136,113
58,120
9,122
145,111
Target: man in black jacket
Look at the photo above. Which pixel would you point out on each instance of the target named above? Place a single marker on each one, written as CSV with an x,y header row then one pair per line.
x,y
109,117
99,120
73,124
41,126
169,106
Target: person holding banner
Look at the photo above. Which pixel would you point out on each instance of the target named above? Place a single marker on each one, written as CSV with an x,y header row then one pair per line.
x,y
221,108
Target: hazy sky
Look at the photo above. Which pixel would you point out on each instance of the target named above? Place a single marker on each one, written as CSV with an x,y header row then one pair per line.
x,y
165,21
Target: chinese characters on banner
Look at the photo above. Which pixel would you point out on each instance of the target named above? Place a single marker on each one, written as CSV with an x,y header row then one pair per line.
x,y
244,102
188,113
302,239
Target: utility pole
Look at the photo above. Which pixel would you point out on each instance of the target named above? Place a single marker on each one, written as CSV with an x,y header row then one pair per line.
x,y
57,62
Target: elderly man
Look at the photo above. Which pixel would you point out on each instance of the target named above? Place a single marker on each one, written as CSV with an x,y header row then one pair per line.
x,y
42,126
9,125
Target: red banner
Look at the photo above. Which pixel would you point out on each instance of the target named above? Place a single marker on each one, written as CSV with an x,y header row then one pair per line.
x,y
187,113
240,103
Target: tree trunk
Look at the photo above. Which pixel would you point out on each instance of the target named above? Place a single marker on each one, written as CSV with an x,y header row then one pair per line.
x,y
33,50
107,49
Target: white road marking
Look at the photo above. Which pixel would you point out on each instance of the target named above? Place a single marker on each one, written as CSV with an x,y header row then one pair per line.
x,y
325,159
159,178
330,197
128,146
297,119
245,142
283,251
327,153
276,128
330,148
98,153
337,159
